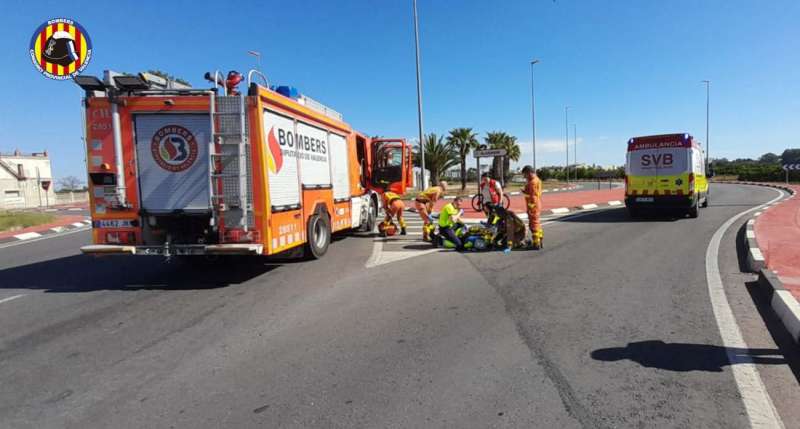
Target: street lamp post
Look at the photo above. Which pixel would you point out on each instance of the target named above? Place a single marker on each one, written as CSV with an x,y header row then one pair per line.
x,y
566,140
419,101
708,99
575,148
533,115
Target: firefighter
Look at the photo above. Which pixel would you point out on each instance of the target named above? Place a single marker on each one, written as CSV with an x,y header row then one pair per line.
x,y
533,203
424,205
394,207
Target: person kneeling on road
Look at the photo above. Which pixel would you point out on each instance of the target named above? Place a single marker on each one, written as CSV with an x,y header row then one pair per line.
x,y
448,218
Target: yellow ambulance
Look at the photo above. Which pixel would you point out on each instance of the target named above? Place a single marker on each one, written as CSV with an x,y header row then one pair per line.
x,y
665,172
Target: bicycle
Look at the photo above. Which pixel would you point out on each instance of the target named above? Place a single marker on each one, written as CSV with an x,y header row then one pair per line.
x,y
477,202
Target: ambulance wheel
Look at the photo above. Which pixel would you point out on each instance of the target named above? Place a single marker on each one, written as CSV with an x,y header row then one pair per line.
x,y
694,211
319,236
705,202
633,212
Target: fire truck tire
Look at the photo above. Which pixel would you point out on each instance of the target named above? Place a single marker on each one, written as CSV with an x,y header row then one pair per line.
x,y
319,236
372,216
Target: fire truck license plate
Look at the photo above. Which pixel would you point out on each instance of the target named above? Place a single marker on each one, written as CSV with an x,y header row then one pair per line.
x,y
113,223
644,199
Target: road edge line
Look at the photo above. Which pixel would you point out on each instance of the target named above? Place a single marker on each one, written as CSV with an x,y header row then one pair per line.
x,y
760,410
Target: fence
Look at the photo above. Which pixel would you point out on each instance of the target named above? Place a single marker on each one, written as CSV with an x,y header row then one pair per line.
x,y
71,197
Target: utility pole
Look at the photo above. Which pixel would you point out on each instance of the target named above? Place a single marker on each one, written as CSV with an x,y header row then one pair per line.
x,y
419,101
566,141
575,149
533,115
708,99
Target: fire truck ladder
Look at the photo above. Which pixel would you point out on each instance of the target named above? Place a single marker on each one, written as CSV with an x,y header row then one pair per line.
x,y
231,175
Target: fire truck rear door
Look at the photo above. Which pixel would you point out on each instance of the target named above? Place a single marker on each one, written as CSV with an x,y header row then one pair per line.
x,y
172,153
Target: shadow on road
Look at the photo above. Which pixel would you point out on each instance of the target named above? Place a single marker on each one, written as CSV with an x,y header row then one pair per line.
x,y
82,273
619,215
684,357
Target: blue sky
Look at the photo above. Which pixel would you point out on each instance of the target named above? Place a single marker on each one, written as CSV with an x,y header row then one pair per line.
x,y
626,67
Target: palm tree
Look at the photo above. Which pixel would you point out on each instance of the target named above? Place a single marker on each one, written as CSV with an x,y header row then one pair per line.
x,y
463,140
501,140
439,156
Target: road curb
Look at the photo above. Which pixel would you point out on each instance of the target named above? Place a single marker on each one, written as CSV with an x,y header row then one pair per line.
x,y
755,259
46,232
782,302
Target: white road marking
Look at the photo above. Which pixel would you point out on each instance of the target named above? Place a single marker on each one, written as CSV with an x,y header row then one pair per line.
x,y
44,237
74,209
757,255
757,403
78,224
560,210
615,203
589,206
751,222
27,235
757,214
11,298
750,234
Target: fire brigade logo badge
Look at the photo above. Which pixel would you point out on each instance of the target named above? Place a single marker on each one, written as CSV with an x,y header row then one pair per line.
x,y
60,49
174,148
275,158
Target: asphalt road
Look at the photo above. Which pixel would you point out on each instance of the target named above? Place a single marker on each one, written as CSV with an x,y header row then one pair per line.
x,y
610,326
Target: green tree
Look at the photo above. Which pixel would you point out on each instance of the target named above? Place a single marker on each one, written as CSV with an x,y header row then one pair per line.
x,y
463,140
790,156
439,156
769,158
501,140
168,76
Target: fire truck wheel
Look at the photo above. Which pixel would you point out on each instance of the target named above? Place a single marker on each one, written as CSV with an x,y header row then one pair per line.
x,y
372,216
319,236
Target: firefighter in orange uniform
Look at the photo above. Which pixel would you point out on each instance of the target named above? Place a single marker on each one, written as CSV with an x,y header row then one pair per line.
x,y
533,203
394,207
424,205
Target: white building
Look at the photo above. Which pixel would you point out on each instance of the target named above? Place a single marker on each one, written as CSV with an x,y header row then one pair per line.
x,y
23,179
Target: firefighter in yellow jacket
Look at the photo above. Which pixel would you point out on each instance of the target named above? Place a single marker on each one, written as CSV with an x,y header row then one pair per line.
x,y
424,205
394,207
533,205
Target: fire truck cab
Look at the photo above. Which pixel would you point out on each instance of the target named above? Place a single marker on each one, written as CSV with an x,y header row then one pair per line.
x,y
180,171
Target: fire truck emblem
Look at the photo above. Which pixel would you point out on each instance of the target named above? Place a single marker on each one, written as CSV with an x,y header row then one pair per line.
x,y
174,148
275,158
60,49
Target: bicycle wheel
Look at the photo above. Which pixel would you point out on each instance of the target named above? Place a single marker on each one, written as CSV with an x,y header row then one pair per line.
x,y
477,203
506,202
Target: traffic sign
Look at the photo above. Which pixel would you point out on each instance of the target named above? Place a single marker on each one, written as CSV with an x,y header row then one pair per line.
x,y
792,167
45,184
488,152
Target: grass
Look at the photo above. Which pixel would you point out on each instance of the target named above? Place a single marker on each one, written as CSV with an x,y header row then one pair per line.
x,y
18,220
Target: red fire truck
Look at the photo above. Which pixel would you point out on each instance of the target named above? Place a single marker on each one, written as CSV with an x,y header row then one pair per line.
x,y
180,171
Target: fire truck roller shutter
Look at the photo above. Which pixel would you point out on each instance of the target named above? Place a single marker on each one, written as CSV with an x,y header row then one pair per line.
x,y
281,157
339,166
172,153
314,153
